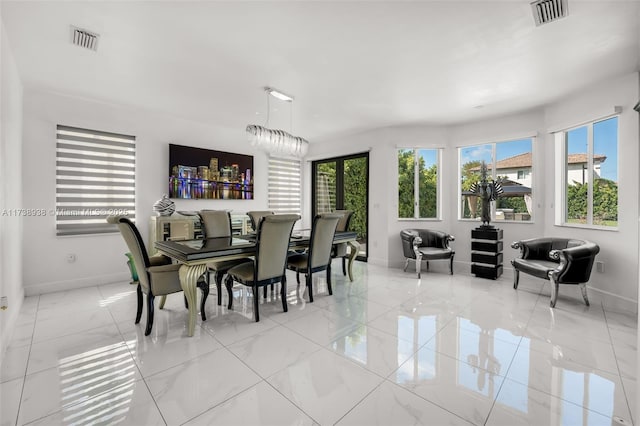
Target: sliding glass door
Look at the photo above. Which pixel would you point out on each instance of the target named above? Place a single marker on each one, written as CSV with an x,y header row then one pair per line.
x,y
342,183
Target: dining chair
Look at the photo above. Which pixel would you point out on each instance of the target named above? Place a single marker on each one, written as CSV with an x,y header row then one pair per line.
x,y
340,250
256,215
318,257
156,275
269,264
217,224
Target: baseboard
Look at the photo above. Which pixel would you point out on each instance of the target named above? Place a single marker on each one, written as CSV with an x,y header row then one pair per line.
x,y
9,322
54,286
613,302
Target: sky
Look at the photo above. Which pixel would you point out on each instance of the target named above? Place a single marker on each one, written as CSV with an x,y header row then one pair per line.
x,y
605,137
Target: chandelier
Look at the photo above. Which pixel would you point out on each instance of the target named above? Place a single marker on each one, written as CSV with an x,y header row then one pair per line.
x,y
276,141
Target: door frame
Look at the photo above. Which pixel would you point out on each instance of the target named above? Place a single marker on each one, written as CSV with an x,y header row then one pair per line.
x,y
339,160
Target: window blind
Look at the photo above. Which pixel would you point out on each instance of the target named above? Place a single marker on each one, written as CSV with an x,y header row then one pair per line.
x,y
95,177
285,186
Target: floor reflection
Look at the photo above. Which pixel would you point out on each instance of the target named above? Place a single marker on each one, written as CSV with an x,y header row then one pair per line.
x,y
108,372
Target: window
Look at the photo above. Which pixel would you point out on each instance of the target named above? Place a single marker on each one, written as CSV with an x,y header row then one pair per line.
x,y
285,185
511,163
95,177
590,170
418,183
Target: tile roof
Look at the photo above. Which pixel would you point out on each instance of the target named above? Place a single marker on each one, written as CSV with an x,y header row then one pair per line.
x,y
524,160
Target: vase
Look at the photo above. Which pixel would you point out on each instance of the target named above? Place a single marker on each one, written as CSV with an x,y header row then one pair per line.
x,y
164,206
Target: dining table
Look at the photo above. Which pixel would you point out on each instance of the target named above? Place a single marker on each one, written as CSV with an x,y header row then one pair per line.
x,y
193,255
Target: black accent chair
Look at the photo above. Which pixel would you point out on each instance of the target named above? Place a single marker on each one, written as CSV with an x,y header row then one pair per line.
x,y
426,244
559,260
269,265
318,258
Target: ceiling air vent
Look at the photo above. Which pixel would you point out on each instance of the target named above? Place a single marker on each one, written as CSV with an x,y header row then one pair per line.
x,y
545,11
84,38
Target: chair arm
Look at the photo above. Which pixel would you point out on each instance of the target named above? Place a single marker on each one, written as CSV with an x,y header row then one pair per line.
x,y
417,243
534,248
448,239
575,262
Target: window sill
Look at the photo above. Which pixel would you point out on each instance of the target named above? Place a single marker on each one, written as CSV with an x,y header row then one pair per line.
x,y
497,222
413,219
592,227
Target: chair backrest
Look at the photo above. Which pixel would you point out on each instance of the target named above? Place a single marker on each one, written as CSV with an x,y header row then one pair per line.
x,y
322,233
215,223
136,247
272,246
256,215
345,219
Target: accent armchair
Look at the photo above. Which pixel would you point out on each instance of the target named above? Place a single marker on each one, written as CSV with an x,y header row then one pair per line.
x,y
559,260
426,244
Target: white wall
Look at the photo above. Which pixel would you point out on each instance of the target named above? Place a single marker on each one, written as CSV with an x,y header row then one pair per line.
x,y
100,259
617,286
10,189
618,249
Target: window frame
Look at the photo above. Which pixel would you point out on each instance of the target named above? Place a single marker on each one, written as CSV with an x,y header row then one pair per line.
x,y
95,178
416,184
562,170
276,185
493,173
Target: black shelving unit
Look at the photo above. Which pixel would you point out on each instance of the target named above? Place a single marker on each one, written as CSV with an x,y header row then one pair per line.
x,y
486,252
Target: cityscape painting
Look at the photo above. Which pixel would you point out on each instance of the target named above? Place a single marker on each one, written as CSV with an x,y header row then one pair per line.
x,y
198,173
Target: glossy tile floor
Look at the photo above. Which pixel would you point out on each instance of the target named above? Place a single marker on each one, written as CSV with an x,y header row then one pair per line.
x,y
387,349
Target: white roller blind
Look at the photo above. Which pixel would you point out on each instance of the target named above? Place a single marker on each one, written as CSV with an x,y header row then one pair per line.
x,y
285,185
95,177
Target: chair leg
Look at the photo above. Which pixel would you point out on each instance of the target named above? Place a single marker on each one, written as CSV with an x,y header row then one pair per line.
x,y
554,292
309,283
218,277
283,292
264,291
583,288
229,284
256,303
516,278
204,286
164,299
147,330
298,276
186,302
451,265
139,311
406,264
427,266
329,279
344,266
418,265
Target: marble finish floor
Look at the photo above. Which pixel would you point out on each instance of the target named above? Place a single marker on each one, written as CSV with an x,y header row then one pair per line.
x,y
386,349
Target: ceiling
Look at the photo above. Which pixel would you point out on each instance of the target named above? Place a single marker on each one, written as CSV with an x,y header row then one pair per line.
x,y
350,65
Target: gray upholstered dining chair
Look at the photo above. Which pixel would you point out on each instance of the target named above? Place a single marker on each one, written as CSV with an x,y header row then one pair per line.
x,y
217,224
269,264
340,250
156,275
256,215
318,257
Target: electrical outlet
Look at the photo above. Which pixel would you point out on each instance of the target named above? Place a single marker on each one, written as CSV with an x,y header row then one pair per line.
x,y
600,266
71,257
4,303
